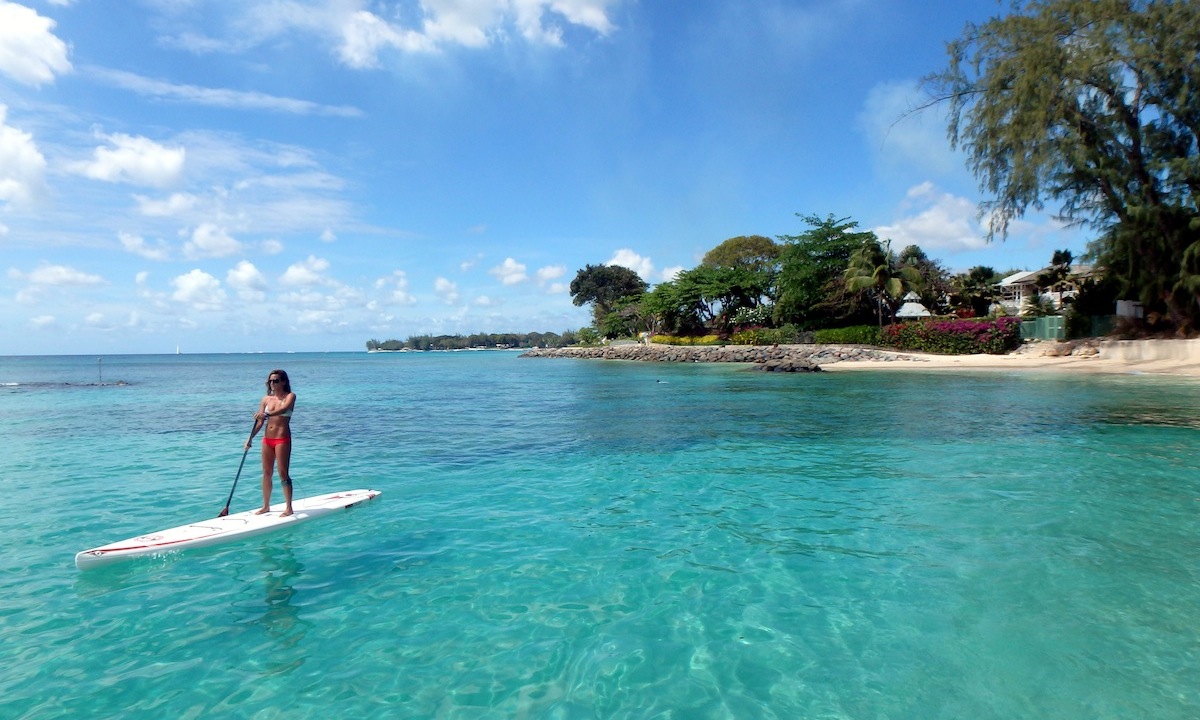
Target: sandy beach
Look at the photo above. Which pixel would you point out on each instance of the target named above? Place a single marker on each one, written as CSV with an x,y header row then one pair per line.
x,y
1157,357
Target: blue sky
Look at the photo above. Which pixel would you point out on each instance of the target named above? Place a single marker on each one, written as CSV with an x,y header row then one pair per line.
x,y
305,175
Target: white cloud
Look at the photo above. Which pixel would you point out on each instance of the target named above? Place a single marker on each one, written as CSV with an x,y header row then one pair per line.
x,y
484,301
468,264
328,236
510,272
208,240
95,319
361,37
446,290
935,220
22,166
271,246
364,34
250,284
174,206
137,245
398,282
199,290
60,275
550,272
306,273
670,273
42,321
134,160
217,97
629,259
29,52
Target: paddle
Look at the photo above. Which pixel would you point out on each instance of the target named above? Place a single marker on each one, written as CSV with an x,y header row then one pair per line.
x,y
254,429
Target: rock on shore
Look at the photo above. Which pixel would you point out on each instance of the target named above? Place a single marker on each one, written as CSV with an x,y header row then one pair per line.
x,y
773,358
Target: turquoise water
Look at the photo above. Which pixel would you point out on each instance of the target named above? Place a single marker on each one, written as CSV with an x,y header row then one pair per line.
x,y
577,539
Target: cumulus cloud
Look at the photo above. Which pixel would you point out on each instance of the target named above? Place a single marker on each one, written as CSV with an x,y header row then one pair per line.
x,y
199,290
306,273
935,220
550,272
22,166
133,160
446,290
397,282
635,262
364,34
246,279
670,273
42,321
509,272
58,276
208,241
29,52
137,245
174,206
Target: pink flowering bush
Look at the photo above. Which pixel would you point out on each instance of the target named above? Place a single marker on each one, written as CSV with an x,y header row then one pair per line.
x,y
955,337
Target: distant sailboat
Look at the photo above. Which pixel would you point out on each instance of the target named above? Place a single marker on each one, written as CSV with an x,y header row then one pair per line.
x,y
176,348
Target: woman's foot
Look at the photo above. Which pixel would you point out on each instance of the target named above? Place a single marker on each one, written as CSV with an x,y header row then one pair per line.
x,y
285,513
264,511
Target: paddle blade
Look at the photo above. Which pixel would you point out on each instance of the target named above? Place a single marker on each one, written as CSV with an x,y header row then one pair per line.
x,y
223,512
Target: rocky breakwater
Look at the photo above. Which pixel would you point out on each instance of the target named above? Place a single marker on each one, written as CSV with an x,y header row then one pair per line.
x,y
774,358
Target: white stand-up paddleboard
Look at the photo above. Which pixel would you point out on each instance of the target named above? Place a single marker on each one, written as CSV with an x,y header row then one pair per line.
x,y
221,529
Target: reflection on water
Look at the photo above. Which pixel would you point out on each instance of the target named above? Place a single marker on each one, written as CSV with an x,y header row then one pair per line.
x,y
281,618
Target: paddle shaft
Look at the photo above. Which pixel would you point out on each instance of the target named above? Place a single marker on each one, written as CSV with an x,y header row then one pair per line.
x,y
242,464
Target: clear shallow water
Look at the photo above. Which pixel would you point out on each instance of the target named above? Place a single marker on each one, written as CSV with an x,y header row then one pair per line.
x,y
570,539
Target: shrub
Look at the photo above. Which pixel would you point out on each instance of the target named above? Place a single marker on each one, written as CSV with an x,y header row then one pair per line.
x,y
853,335
955,337
786,335
687,340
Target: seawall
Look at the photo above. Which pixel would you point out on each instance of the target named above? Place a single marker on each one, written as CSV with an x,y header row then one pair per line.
x,y
779,358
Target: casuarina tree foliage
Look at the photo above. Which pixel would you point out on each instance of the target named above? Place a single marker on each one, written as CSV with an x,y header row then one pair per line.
x,y
1094,105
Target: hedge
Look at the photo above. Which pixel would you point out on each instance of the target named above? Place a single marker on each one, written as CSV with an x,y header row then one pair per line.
x,y
955,337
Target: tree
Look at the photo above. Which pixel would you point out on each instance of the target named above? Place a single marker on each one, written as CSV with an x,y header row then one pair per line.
x,y
875,269
1053,277
752,252
1094,104
603,286
811,290
975,289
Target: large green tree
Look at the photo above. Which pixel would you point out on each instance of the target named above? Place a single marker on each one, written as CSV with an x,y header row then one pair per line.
x,y
752,252
603,286
1095,105
811,290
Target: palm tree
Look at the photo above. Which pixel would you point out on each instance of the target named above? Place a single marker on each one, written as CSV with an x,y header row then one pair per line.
x,y
875,269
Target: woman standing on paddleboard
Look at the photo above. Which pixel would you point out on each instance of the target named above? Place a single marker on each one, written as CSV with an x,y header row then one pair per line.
x,y
275,412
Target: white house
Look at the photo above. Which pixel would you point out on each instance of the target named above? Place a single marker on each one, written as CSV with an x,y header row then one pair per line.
x,y
1016,289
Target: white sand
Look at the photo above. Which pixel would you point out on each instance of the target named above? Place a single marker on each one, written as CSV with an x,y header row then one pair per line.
x,y
1160,357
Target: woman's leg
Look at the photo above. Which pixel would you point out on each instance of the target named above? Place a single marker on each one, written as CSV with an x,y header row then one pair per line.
x,y
283,453
268,465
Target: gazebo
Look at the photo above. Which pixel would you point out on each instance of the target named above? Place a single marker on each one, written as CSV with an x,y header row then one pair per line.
x,y
912,308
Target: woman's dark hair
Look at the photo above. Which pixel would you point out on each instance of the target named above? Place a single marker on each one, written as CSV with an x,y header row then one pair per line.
x,y
287,384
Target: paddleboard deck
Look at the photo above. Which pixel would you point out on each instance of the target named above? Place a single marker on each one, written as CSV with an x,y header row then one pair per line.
x,y
221,529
